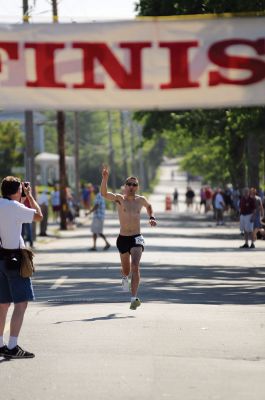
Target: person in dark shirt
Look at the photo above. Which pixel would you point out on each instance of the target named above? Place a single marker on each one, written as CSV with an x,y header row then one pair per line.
x,y
175,198
247,208
189,197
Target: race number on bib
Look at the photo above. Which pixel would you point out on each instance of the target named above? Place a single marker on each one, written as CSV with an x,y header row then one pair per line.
x,y
139,240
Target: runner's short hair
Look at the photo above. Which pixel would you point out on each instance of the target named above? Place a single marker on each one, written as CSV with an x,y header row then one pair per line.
x,y
10,185
131,177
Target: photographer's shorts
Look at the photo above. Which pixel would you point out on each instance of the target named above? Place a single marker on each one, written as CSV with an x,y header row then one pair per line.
x,y
14,288
126,243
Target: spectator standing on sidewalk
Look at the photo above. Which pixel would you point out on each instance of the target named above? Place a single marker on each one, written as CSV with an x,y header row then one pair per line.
x,y
130,242
98,211
247,209
14,288
259,213
85,194
208,198
43,201
27,229
176,199
202,199
219,206
56,202
189,197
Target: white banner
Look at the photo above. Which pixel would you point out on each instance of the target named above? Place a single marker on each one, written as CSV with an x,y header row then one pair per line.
x,y
173,64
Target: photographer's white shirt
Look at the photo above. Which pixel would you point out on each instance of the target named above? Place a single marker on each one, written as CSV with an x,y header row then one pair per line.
x,y
12,215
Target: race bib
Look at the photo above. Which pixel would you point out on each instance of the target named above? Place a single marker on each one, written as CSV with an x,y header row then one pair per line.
x,y
140,240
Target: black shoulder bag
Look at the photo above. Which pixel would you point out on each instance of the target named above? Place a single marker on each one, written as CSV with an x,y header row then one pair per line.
x,y
12,258
18,260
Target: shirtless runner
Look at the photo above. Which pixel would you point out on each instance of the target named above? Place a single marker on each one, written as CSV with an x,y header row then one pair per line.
x,y
130,242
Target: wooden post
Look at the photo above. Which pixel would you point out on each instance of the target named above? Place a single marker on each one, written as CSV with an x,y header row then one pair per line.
x,y
111,155
77,173
123,145
61,147
62,168
29,137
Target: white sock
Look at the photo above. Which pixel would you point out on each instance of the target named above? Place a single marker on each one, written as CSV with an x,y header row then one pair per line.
x,y
2,341
133,298
12,342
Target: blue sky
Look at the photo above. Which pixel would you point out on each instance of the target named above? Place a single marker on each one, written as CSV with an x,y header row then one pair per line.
x,y
69,10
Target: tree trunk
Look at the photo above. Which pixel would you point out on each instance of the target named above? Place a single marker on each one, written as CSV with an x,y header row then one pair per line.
x,y
76,152
111,155
237,160
123,144
62,168
253,158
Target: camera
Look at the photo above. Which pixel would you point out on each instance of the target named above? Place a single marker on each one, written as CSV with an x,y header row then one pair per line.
x,y
26,184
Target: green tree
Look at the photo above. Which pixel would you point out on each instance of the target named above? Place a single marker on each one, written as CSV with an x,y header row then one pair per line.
x,y
94,145
11,147
235,136
182,7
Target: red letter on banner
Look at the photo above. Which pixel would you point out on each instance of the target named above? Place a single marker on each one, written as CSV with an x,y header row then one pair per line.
x,y
102,53
219,57
45,66
12,50
179,65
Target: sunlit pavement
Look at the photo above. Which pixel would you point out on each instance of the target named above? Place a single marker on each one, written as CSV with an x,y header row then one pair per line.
x,y
199,333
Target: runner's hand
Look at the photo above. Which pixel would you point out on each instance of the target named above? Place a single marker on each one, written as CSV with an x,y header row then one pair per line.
x,y
152,222
105,172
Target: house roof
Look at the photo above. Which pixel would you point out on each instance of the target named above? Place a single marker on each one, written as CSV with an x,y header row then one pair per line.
x,y
50,157
20,117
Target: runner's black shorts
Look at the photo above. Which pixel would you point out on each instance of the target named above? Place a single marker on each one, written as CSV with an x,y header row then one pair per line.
x,y
126,243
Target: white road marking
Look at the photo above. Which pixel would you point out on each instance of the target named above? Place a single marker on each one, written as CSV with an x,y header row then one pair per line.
x,y
59,282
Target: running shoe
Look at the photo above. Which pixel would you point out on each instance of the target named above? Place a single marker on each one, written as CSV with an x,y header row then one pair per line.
x,y
17,352
3,350
125,284
134,304
252,246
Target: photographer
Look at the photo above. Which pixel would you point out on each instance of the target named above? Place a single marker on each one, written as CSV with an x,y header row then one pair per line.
x,y
14,288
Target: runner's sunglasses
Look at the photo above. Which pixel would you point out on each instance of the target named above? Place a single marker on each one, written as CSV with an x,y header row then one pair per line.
x,y
131,184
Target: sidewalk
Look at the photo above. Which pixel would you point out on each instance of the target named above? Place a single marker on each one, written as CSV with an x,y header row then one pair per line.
x,y
199,333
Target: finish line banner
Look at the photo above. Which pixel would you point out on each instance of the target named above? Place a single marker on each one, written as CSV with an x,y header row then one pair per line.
x,y
150,64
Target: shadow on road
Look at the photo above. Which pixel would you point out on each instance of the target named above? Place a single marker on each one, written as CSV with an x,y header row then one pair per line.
x,y
107,317
99,282
88,283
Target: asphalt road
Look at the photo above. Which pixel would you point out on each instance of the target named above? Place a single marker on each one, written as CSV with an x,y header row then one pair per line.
x,y
199,333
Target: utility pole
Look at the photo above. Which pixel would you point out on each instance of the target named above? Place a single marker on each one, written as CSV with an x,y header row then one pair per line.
x,y
132,131
77,174
29,135
111,155
61,147
141,160
29,130
123,145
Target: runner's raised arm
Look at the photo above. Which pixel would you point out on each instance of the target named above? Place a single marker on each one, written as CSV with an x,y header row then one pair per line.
x,y
104,185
